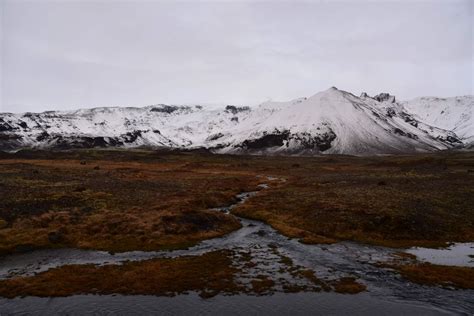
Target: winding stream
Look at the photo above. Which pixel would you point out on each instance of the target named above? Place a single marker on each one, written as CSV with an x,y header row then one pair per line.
x,y
387,293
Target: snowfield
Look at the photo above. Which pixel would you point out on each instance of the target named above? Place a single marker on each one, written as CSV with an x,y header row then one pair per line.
x,y
329,122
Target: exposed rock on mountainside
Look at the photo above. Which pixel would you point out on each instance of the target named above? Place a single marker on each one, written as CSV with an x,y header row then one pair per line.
x,y
382,97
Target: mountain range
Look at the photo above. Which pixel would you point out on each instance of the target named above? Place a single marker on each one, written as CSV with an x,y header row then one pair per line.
x,y
330,122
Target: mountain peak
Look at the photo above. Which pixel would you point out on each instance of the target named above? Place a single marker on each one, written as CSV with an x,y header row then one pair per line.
x,y
331,94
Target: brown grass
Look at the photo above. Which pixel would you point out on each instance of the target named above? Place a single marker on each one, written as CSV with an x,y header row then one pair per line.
x,y
348,285
262,284
209,274
430,274
423,200
148,204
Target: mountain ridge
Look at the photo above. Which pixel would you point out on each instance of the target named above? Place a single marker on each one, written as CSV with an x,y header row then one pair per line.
x,y
330,122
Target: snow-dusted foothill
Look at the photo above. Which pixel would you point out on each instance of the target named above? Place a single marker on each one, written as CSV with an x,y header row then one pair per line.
x,y
329,122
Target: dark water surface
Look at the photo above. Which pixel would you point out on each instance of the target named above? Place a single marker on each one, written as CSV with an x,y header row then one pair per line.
x,y
192,304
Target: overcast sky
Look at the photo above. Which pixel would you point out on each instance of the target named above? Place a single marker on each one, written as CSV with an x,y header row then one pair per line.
x,y
67,54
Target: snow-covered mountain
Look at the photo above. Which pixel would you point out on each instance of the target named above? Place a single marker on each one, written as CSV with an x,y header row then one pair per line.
x,y
330,122
455,114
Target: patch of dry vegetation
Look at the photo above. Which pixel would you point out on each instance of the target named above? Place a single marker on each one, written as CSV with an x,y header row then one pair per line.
x,y
262,284
348,285
209,274
433,275
116,201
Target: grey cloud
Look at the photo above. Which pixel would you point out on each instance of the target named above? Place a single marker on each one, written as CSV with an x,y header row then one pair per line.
x,y
68,54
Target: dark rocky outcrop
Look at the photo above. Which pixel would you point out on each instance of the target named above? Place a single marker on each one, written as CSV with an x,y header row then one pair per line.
x,y
321,142
409,119
236,109
275,139
391,112
6,127
163,108
42,137
130,137
452,139
61,142
382,97
10,141
23,125
402,133
399,132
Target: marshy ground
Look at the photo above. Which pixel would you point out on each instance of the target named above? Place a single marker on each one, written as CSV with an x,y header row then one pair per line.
x,y
140,200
